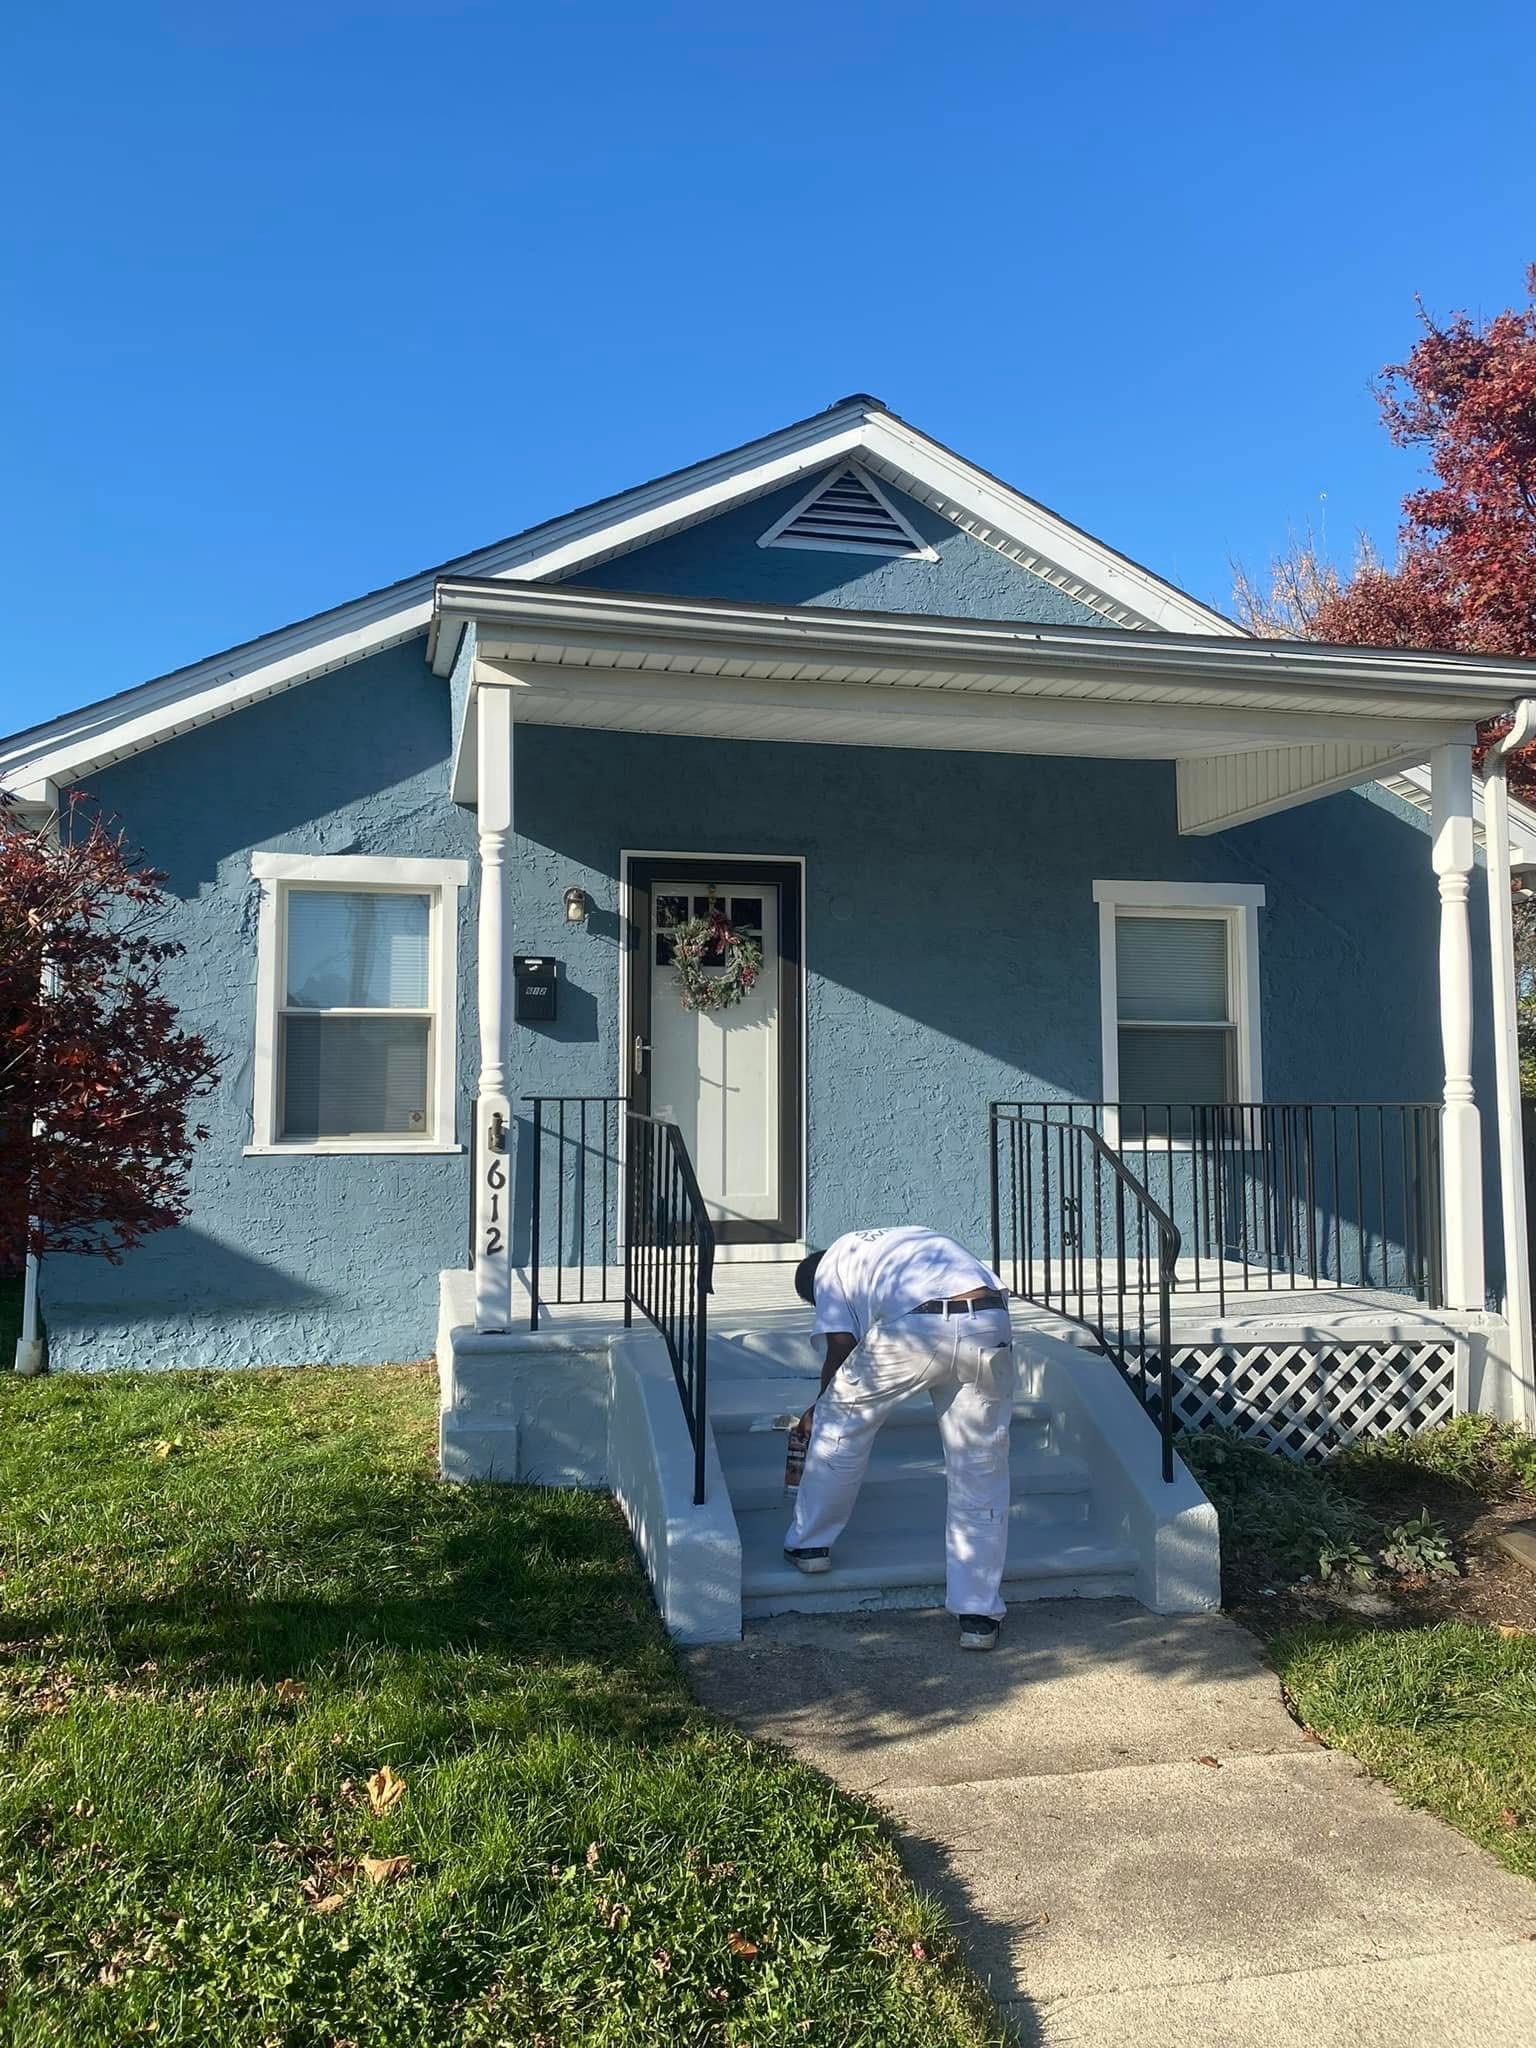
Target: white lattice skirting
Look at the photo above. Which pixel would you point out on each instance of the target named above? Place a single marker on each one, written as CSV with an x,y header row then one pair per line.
x,y
1308,1399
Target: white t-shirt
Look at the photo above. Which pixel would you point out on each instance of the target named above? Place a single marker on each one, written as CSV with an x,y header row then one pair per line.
x,y
871,1276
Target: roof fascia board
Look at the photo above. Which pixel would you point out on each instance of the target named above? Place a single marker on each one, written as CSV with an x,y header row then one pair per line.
x,y
1522,819
1063,544
625,626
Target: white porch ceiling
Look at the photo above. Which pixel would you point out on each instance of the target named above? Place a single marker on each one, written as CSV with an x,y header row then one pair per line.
x,y
1255,726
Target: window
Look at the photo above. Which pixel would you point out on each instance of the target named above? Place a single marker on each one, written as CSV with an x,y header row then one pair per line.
x,y
356,975
1179,965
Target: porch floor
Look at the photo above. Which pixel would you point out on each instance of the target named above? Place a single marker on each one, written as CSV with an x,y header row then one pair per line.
x,y
755,1306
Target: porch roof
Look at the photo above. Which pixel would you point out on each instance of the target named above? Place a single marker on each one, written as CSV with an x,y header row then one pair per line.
x,y
1254,725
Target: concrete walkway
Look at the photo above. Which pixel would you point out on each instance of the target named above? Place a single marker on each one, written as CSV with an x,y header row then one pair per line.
x,y
1137,1844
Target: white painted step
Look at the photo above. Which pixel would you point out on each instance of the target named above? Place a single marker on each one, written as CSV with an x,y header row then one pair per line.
x,y
895,1565
1046,1486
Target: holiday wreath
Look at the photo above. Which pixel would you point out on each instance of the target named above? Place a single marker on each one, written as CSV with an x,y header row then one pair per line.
x,y
698,939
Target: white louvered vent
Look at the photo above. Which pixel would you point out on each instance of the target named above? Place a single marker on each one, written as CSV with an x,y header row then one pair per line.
x,y
849,513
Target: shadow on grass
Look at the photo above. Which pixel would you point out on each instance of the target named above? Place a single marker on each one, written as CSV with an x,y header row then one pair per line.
x,y
493,1590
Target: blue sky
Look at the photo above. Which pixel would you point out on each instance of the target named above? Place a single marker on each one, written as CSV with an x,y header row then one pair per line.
x,y
303,297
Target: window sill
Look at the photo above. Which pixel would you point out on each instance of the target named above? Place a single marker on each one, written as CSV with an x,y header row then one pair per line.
x,y
327,1148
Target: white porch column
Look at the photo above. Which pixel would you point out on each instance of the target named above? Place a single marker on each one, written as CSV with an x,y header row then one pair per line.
x,y
492,1194
1506,1047
1461,1137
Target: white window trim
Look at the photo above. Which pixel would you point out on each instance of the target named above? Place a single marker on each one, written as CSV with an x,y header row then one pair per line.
x,y
442,880
1239,903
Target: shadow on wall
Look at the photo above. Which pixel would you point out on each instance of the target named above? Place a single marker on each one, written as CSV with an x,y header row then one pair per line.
x,y
192,1272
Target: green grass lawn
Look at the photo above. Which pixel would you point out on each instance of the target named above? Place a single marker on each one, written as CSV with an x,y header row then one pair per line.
x,y
1447,1715
301,1747
1425,1688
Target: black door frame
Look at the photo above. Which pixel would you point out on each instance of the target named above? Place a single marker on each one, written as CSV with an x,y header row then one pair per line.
x,y
641,873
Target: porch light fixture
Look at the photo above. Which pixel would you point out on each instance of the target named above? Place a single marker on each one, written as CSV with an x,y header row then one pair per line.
x,y
576,906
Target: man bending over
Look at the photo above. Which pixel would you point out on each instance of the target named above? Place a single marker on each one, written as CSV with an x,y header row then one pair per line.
x,y
901,1310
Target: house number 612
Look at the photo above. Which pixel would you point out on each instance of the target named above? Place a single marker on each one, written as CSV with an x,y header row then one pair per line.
x,y
495,1180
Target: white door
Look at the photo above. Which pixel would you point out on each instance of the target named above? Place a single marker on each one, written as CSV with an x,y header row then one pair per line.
x,y
715,1073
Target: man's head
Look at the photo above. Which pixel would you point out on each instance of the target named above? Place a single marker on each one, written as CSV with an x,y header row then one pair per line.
x,y
805,1277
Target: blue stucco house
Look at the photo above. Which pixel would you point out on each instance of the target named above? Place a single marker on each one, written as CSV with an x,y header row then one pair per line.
x,y
1082,918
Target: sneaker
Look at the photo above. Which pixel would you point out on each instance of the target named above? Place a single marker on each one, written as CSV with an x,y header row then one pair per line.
x,y
810,1560
978,1631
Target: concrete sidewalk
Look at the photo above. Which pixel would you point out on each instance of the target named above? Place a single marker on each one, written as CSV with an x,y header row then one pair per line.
x,y
1136,1842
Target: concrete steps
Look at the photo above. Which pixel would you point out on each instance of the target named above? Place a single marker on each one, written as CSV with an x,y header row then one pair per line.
x,y
892,1553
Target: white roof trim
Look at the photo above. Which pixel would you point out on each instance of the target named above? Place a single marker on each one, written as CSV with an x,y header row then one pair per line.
x,y
618,629
1412,786
67,748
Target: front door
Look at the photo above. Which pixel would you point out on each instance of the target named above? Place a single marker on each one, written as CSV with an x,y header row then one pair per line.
x,y
729,1079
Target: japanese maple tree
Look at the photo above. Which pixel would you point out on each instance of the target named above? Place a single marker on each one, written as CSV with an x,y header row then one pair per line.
x,y
1465,576
97,1079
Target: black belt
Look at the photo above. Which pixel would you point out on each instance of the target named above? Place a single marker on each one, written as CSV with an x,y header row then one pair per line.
x,y
960,1305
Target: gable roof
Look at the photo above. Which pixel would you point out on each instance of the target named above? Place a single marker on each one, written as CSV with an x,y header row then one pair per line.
x,y
857,428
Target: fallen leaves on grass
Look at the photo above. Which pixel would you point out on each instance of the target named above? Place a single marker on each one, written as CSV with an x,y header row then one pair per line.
x,y
385,1788
288,1692
168,1447
1508,1818
383,1869
318,1899
739,1945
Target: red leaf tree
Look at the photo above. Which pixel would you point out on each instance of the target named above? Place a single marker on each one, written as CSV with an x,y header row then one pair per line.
x,y
96,1078
1465,577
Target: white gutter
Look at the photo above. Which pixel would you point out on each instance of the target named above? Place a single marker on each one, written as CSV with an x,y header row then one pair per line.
x,y
1506,1054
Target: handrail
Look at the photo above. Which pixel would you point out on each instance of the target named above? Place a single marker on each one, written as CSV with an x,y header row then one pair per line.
x,y
669,1263
1096,1222
1287,1195
602,1175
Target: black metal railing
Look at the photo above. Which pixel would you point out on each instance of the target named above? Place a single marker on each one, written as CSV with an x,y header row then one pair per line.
x,y
573,1191
669,1262
1286,1195
1075,1232
615,1214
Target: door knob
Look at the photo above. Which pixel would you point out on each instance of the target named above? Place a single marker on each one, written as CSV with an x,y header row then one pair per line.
x,y
641,1049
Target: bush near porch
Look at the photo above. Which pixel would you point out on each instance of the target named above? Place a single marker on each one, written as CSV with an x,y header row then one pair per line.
x,y
302,1747
1427,1676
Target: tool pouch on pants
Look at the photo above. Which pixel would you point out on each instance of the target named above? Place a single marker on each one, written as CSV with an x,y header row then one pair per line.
x,y
988,1368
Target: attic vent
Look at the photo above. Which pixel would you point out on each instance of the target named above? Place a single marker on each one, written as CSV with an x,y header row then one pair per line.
x,y
848,512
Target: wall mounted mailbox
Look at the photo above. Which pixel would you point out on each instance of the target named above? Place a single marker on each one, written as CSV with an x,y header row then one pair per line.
x,y
537,979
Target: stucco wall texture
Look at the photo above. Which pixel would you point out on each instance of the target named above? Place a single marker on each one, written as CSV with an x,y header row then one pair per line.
x,y
721,558
283,1260
951,949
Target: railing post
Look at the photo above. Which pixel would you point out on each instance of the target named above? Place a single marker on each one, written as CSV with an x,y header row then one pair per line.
x,y
700,1374
997,1221
534,1205
1170,1258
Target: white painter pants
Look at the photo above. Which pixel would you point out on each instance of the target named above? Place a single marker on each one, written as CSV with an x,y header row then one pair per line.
x,y
966,1363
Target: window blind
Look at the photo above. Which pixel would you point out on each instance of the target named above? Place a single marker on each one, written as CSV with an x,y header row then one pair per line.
x,y
359,950
1177,1036
1171,970
356,1077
